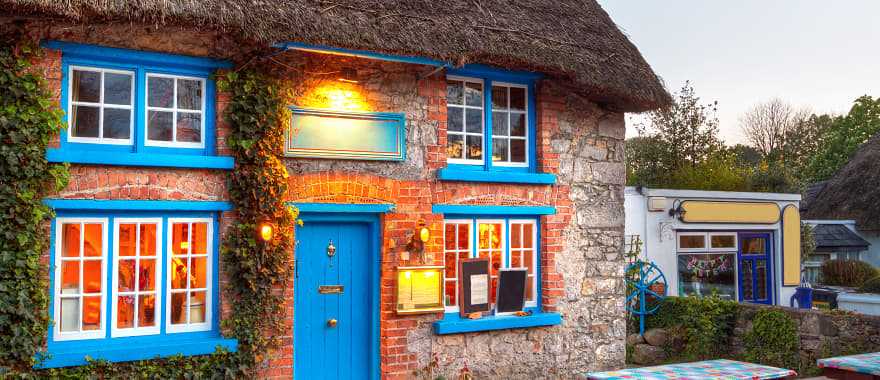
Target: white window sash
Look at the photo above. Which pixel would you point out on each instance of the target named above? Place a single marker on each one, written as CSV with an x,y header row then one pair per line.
x,y
101,332
458,223
511,112
209,271
174,110
464,133
534,253
100,105
157,292
704,248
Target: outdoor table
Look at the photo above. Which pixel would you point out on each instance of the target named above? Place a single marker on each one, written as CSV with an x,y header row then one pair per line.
x,y
710,369
854,367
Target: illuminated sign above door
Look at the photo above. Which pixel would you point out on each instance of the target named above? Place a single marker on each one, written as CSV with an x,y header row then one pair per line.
x,y
315,133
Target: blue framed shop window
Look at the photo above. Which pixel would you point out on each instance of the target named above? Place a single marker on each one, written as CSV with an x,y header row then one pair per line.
x,y
129,107
508,241
133,285
491,126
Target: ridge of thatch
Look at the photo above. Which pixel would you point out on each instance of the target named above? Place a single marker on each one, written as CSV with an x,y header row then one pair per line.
x,y
573,39
854,191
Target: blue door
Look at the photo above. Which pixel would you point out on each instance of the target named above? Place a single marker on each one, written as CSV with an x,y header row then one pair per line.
x,y
755,268
334,301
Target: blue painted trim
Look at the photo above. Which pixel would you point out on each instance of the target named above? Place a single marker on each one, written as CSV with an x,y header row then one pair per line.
x,y
398,118
455,174
361,54
344,207
136,205
453,324
768,257
495,74
102,157
135,348
492,210
103,53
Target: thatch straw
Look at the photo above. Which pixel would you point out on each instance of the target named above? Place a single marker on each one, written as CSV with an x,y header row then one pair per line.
x,y
854,191
573,39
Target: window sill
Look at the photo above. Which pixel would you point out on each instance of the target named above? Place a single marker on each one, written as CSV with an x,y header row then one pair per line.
x,y
453,324
73,353
140,159
447,174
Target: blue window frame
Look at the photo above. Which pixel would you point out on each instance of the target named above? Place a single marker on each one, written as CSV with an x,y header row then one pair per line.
x,y
128,107
131,285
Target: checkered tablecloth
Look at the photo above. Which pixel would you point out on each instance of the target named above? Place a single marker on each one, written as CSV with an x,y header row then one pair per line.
x,y
710,369
864,363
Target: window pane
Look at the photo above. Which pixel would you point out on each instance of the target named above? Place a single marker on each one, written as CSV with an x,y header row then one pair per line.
x,y
117,123
474,147
527,235
517,124
159,126
86,86
117,88
473,121
125,312
499,97
528,261
69,314
517,150
127,237
70,240
199,238
517,98
490,236
463,238
761,278
691,241
179,273
451,264
499,149
92,278
189,127
515,236
91,318
146,310
450,293
454,119
160,92
178,308
493,290
454,146
197,307
93,246
499,123
495,262
723,241
199,272
148,240
449,236
180,238
473,95
530,288
753,246
515,259
85,121
126,273
454,93
703,274
147,275
70,277
189,94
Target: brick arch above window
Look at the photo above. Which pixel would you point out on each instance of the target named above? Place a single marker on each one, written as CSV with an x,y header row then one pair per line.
x,y
342,188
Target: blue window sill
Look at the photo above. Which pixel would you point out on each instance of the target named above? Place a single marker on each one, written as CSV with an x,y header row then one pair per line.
x,y
453,324
72,353
140,159
448,174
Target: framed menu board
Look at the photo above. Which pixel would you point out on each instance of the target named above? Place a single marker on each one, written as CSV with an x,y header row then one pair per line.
x,y
511,295
473,291
419,289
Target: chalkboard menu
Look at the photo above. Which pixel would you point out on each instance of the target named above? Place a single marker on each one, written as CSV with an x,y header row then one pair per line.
x,y
511,296
473,275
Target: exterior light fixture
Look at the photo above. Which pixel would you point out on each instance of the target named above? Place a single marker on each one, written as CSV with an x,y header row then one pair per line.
x,y
348,75
266,231
420,236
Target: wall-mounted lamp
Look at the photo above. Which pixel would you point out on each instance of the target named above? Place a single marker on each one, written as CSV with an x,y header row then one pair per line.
x,y
420,236
348,75
677,211
265,231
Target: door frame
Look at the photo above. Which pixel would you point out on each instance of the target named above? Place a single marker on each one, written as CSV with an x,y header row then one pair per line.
x,y
769,253
374,276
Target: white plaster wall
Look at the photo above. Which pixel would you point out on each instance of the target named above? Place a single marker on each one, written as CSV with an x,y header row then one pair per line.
x,y
873,254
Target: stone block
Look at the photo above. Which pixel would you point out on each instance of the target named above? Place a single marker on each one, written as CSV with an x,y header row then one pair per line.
x,y
647,354
656,337
634,339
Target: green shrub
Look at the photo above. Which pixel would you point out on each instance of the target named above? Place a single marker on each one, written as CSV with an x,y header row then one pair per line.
x,y
773,340
706,323
871,286
852,273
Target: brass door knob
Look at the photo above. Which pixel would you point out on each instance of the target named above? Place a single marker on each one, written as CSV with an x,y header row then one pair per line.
x,y
331,322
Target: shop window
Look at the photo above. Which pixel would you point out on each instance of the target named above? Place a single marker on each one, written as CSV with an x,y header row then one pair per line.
x,y
137,263
79,285
506,243
189,276
704,269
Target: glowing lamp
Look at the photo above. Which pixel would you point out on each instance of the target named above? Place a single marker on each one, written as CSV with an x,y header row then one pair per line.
x,y
424,234
266,231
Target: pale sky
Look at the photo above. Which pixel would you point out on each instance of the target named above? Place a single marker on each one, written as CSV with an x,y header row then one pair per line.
x,y
817,53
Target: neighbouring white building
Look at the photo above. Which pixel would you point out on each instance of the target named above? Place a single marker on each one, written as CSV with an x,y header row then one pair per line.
x,y
744,246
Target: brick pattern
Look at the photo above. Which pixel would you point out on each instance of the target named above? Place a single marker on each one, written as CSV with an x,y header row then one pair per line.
x,y
112,182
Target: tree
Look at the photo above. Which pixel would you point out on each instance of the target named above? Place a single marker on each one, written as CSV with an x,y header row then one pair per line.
x,y
768,125
842,137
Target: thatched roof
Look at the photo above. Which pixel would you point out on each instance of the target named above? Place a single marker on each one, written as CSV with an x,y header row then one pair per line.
x,y
573,39
854,191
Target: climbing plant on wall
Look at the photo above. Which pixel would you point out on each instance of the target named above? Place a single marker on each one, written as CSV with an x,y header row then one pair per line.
x,y
28,120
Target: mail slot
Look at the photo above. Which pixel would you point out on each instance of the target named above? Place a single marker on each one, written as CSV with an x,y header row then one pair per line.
x,y
330,289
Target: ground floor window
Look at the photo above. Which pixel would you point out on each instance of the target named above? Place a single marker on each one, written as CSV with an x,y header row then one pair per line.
x,y
507,243
707,264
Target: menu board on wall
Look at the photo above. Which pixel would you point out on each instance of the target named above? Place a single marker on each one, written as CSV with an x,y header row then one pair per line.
x,y
347,135
511,295
419,289
474,289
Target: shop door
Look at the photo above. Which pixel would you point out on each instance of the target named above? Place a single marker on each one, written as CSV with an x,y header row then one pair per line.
x,y
755,268
332,324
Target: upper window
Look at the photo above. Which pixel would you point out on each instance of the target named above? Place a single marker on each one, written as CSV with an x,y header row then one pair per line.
x,y
175,111
507,243
101,105
490,124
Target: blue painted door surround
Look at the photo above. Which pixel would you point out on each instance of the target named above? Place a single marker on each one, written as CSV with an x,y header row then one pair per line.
x,y
755,267
336,333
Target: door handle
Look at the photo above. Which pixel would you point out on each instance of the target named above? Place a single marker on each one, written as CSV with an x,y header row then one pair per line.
x,y
331,323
